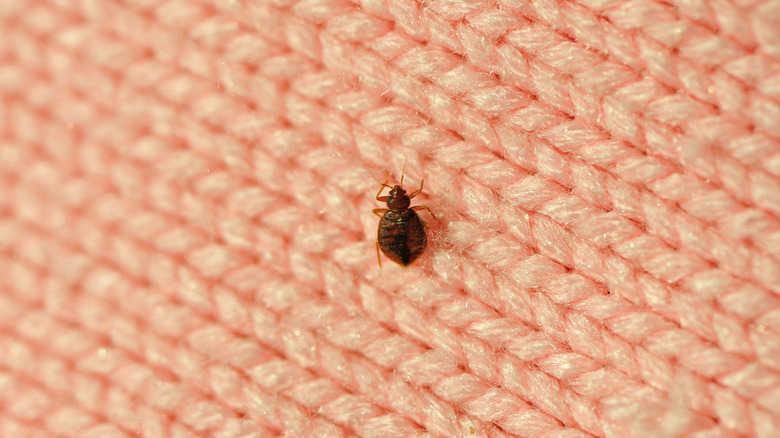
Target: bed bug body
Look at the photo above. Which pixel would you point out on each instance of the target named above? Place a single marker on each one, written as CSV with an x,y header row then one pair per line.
x,y
401,234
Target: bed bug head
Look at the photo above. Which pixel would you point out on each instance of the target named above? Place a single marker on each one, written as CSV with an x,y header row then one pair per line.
x,y
398,199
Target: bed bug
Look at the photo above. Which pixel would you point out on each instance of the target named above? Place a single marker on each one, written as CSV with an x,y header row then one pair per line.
x,y
401,234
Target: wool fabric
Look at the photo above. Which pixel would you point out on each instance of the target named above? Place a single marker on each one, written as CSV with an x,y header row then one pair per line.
x,y
187,244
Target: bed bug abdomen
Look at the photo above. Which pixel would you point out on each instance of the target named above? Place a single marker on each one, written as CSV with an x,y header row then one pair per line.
x,y
402,236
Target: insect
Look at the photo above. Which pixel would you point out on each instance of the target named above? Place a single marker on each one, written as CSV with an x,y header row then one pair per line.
x,y
401,234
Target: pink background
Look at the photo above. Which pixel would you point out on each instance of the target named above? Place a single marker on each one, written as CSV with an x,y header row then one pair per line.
x,y
187,246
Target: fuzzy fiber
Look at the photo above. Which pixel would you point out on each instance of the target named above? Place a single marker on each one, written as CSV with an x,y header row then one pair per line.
x,y
187,246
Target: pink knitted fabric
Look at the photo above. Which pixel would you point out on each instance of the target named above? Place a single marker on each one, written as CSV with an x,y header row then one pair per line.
x,y
187,246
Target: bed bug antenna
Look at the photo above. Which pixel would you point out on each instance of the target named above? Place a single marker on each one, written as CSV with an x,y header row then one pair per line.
x,y
383,184
403,171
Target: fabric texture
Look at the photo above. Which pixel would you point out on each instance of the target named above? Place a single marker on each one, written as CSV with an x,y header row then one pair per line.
x,y
187,244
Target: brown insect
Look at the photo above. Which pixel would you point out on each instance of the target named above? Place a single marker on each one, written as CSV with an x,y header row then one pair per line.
x,y
402,233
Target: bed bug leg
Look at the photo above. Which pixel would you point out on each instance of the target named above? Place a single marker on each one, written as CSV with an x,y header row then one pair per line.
x,y
379,212
417,192
383,185
423,207
382,198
